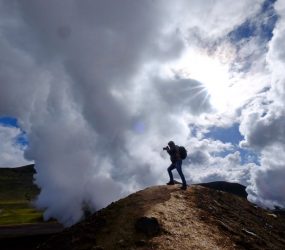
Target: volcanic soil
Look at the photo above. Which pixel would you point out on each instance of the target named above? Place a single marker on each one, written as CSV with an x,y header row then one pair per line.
x,y
198,218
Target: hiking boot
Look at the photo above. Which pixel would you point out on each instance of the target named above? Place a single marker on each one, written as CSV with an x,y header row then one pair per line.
x,y
170,183
183,187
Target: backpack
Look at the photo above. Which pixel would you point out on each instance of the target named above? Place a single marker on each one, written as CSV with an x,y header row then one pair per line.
x,y
182,152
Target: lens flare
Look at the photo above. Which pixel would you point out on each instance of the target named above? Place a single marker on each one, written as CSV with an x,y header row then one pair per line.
x,y
215,75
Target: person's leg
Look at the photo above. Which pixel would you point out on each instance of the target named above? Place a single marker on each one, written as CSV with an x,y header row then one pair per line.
x,y
179,170
169,170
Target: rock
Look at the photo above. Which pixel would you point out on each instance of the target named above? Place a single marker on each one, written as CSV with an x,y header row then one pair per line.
x,y
272,215
97,248
121,243
249,232
140,243
148,226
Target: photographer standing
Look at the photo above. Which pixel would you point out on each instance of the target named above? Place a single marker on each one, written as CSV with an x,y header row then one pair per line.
x,y
176,162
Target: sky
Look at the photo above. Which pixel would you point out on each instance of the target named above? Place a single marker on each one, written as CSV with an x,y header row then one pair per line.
x,y
91,91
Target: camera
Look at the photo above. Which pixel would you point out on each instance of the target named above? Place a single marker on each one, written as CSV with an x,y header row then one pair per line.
x,y
165,148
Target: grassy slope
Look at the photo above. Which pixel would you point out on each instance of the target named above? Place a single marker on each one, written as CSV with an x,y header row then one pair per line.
x,y
16,194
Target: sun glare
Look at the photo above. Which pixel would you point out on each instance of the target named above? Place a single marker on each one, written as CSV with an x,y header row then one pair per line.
x,y
213,74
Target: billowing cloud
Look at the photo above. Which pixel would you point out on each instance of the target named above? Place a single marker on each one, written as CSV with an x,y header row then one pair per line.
x,y
213,160
101,86
74,74
267,184
10,147
263,126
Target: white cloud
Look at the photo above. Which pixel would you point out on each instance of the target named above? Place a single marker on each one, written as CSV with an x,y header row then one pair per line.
x,y
263,126
211,160
267,181
11,152
213,19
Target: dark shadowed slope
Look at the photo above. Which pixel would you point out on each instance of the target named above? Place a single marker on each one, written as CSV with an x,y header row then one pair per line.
x,y
17,183
228,187
164,217
21,225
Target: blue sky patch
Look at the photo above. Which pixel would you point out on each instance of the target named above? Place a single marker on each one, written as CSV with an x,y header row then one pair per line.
x,y
233,136
7,121
225,135
194,130
260,26
248,156
22,139
269,20
245,30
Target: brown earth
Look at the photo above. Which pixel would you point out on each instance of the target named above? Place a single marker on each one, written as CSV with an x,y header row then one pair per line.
x,y
198,218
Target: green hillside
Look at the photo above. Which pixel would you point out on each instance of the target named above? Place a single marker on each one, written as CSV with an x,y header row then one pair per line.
x,y
17,192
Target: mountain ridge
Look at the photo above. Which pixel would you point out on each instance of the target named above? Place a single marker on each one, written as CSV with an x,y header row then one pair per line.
x,y
198,218
213,215
228,187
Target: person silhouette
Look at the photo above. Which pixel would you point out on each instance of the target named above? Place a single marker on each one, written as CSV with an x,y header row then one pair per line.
x,y
176,162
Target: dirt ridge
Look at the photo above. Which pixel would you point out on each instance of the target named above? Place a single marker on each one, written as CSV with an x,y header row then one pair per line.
x,y
198,218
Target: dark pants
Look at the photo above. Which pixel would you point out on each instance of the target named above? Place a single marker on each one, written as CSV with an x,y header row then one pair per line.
x,y
178,166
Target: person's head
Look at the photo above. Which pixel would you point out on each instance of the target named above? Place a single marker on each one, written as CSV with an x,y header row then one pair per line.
x,y
171,144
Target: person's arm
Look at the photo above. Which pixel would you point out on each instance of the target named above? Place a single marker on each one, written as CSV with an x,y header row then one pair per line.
x,y
168,150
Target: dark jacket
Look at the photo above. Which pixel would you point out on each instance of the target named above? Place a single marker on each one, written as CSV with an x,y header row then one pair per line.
x,y
174,154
